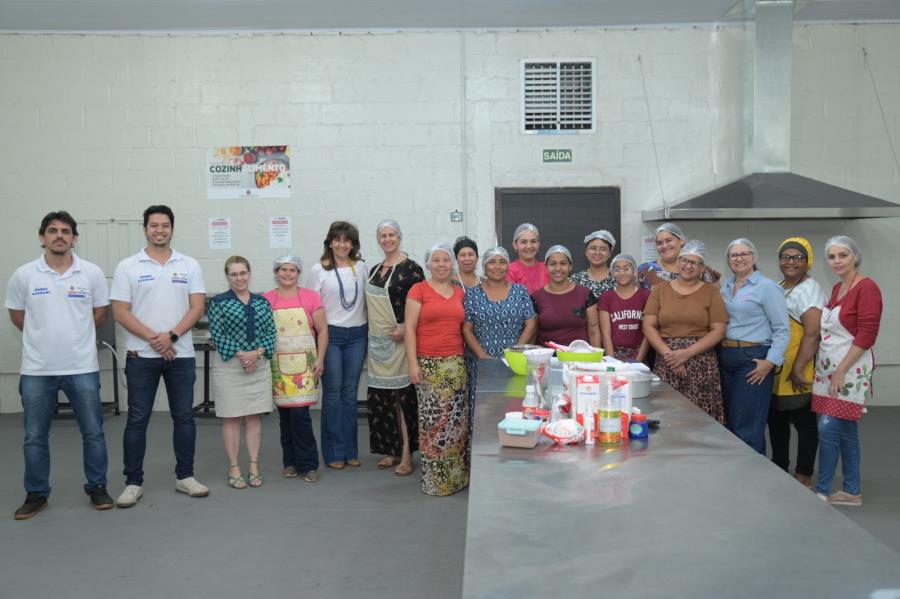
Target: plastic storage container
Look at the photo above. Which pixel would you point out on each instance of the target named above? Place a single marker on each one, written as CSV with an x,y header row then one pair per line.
x,y
518,433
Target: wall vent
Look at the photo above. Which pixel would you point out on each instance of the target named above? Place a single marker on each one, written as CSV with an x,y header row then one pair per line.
x,y
557,96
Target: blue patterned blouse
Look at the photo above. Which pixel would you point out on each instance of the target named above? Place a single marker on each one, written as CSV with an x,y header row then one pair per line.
x,y
498,324
235,326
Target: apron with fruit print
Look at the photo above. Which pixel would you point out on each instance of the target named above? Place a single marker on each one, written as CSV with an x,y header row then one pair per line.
x,y
293,383
834,345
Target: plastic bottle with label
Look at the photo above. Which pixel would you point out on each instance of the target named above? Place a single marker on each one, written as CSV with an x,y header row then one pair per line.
x,y
610,431
530,403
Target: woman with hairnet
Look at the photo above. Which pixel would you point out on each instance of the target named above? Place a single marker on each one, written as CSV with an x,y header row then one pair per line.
x,y
622,312
843,380
756,339
669,241
301,341
598,248
684,321
434,353
391,398
791,393
565,311
527,270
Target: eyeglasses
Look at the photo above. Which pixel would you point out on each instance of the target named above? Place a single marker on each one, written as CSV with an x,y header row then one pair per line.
x,y
689,262
792,257
622,270
740,255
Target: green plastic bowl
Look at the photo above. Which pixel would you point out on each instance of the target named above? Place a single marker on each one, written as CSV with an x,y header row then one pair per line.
x,y
516,359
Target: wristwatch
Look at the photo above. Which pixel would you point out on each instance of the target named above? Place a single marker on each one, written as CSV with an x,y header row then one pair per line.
x,y
173,337
260,352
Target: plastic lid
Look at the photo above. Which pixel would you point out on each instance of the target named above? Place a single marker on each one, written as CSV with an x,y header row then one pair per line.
x,y
519,426
529,388
638,418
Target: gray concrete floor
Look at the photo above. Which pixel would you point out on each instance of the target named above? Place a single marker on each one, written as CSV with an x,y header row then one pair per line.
x,y
359,532
356,533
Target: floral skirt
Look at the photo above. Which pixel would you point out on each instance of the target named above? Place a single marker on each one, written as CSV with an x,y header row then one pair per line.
x,y
701,384
443,425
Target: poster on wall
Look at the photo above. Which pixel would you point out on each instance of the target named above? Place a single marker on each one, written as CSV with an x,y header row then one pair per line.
x,y
279,231
220,233
235,172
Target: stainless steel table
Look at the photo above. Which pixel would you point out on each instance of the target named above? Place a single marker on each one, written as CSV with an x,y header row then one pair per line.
x,y
692,512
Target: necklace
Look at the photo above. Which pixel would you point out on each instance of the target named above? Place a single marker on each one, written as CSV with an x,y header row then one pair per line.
x,y
344,303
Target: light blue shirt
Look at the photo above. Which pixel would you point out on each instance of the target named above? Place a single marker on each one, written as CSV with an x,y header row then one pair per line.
x,y
758,313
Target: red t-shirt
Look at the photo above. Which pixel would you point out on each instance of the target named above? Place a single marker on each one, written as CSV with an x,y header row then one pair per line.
x,y
625,316
439,332
860,311
532,277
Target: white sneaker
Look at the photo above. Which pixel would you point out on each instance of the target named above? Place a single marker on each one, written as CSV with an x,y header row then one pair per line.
x,y
130,496
191,487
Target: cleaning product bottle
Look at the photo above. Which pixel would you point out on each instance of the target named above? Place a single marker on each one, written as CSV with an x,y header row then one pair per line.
x,y
610,418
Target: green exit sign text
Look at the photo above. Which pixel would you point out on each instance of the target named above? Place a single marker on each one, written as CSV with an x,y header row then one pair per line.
x,y
561,155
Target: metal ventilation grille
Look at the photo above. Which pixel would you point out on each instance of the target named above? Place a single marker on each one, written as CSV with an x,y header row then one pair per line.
x,y
558,96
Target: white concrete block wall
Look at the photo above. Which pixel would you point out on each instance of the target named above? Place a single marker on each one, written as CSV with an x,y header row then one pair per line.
x,y
414,125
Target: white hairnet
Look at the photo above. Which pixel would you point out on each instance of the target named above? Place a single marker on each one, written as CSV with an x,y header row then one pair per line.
x,y
287,259
558,249
624,258
602,234
846,242
695,248
389,222
493,253
671,228
525,227
442,246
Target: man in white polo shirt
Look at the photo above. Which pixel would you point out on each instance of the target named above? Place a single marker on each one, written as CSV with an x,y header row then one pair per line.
x,y
57,302
158,295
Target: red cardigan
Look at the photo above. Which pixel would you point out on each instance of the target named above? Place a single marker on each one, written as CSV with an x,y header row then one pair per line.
x,y
860,311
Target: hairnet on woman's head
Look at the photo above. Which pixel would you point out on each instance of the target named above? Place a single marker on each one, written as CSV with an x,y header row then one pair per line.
x,y
389,222
695,248
624,258
523,228
846,242
671,228
493,253
750,246
601,234
802,245
287,259
558,249
442,246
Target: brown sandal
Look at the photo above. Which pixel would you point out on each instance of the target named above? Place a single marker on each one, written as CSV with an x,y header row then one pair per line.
x,y
387,462
403,470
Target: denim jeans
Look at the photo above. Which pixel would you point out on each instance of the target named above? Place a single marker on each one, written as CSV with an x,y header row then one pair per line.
x,y
143,375
298,441
39,403
746,405
838,437
343,365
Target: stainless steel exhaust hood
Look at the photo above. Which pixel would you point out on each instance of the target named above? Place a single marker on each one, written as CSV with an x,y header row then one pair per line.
x,y
772,191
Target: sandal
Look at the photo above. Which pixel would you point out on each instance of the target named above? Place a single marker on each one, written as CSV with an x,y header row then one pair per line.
x,y
354,462
335,465
256,480
387,462
236,482
403,470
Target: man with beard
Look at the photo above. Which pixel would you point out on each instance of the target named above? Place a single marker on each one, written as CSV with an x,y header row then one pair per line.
x,y
158,295
57,301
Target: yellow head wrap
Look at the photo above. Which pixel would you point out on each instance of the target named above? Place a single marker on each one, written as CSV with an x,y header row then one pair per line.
x,y
800,244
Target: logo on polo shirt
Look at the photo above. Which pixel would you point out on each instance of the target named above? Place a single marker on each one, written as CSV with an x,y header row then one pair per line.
x,y
40,291
179,277
145,279
77,292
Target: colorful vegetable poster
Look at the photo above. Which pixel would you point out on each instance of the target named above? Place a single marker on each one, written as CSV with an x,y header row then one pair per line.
x,y
235,172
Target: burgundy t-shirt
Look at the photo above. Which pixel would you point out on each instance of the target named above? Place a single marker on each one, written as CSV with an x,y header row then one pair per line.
x,y
561,317
625,315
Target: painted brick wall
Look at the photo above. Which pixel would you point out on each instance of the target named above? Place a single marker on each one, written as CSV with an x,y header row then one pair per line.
x,y
414,125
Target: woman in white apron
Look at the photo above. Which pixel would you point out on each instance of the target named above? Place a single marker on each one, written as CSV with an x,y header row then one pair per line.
x,y
300,344
241,327
391,398
843,379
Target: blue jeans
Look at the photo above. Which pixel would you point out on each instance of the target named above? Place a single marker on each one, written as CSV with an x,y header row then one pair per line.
x,y
298,441
39,395
838,437
746,405
343,365
143,375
